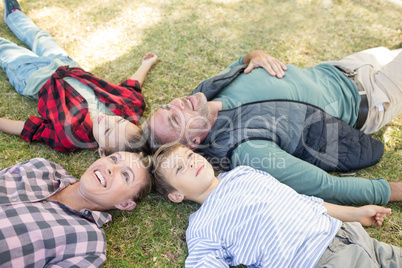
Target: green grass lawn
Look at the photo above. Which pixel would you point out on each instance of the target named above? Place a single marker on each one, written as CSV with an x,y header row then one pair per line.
x,y
195,40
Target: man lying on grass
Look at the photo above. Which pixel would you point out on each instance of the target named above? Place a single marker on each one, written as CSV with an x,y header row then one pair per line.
x,y
248,217
49,218
311,120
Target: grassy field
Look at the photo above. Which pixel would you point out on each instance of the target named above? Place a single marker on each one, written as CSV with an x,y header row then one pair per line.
x,y
195,40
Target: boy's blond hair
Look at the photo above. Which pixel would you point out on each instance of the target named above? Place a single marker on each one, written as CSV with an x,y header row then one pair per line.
x,y
161,183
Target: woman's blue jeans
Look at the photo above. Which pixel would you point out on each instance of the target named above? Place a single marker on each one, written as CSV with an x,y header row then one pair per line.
x,y
18,62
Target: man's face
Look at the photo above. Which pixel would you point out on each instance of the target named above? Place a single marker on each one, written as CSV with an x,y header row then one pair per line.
x,y
112,132
188,172
181,119
113,180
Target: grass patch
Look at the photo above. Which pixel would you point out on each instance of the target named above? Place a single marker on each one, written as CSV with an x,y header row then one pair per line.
x,y
195,40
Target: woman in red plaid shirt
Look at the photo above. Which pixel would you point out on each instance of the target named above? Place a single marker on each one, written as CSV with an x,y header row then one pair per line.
x,y
77,110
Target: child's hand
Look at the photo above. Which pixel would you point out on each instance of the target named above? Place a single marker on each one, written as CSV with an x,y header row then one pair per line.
x,y
372,215
149,59
147,62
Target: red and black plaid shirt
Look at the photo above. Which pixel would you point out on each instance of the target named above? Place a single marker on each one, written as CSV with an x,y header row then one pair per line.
x,y
65,124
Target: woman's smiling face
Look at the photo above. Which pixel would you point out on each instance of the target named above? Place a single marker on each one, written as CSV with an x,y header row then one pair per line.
x,y
113,180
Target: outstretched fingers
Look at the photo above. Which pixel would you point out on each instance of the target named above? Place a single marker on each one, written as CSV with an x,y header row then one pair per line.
x,y
259,58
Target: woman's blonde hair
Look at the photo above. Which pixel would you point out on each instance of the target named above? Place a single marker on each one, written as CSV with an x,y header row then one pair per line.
x,y
146,161
136,143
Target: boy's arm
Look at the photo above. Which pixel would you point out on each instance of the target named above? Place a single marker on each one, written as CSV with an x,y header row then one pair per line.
x,y
13,127
148,61
366,215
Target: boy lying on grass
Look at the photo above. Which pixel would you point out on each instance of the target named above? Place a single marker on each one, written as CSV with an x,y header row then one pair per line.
x,y
248,217
77,109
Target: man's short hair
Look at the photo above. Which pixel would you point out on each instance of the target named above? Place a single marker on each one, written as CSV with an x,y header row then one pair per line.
x,y
153,142
161,184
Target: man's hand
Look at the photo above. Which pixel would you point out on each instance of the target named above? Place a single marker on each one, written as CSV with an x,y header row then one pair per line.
x,y
372,215
260,58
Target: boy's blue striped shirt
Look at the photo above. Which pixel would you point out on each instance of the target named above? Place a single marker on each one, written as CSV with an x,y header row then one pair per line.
x,y
250,218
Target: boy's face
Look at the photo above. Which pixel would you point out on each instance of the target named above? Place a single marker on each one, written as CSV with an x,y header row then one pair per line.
x,y
112,132
190,173
113,180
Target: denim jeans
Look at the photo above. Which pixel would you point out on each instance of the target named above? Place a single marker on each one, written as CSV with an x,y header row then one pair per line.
x,y
20,63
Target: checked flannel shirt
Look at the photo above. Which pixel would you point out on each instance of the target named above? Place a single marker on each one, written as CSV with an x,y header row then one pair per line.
x,y
65,124
35,232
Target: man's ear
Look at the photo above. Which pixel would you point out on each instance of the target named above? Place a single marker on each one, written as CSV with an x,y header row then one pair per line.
x,y
176,197
193,143
129,205
101,152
